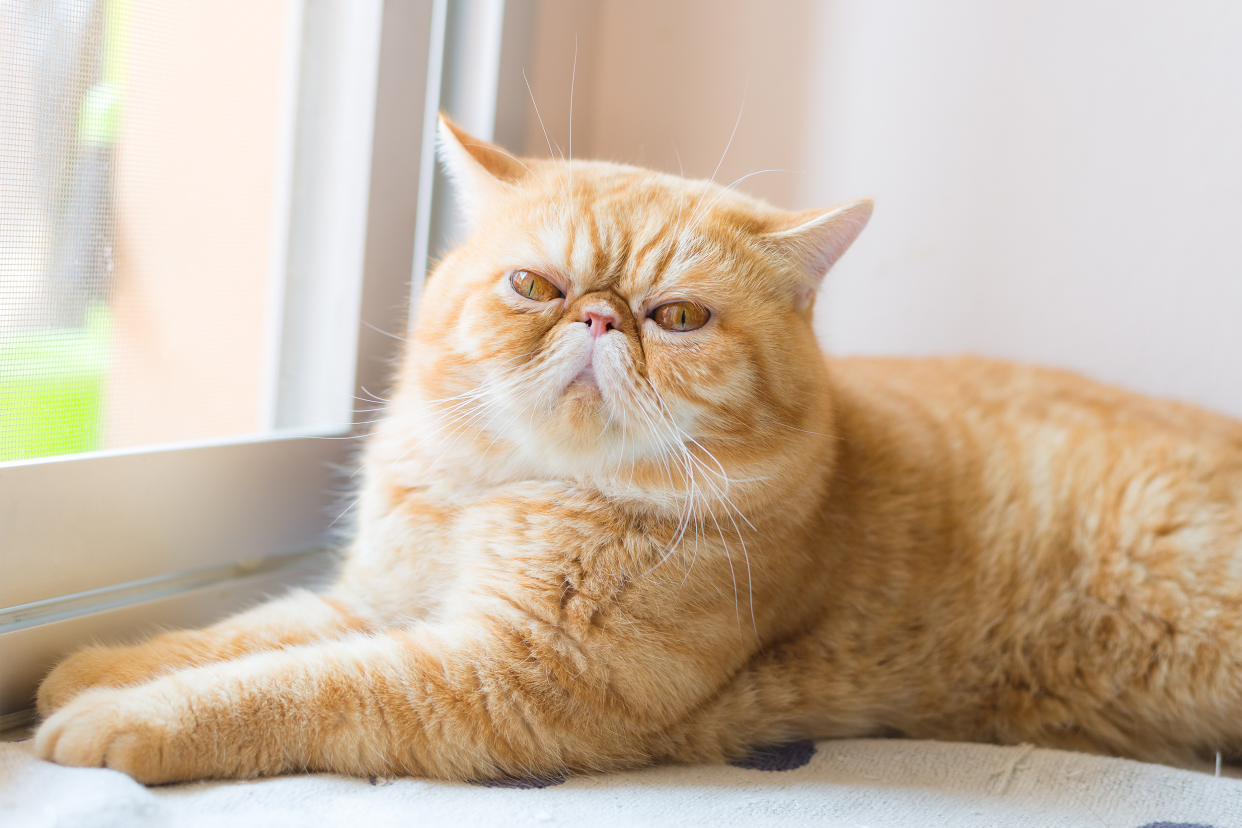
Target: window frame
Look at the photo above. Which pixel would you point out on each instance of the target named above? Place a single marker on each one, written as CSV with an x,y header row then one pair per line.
x,y
107,544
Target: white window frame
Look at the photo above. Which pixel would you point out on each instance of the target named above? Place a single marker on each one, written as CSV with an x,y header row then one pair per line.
x,y
107,545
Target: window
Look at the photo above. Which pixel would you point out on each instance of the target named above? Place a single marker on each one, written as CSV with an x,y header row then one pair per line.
x,y
208,219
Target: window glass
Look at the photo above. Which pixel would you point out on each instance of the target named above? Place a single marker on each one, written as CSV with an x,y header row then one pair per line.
x,y
140,163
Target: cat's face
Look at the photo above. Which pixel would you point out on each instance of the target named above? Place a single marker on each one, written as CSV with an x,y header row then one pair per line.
x,y
639,320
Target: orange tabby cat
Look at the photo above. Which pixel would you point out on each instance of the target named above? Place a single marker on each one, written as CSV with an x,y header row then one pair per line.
x,y
623,511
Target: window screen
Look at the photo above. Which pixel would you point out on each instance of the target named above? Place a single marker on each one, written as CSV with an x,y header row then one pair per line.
x,y
140,160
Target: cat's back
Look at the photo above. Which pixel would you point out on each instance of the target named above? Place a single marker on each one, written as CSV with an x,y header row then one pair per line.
x,y
1046,531
1006,456
1046,407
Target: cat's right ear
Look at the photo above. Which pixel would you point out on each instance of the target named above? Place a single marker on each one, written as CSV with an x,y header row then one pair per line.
x,y
481,172
813,240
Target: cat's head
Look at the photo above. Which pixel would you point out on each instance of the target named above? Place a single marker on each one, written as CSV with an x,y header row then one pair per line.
x,y
608,320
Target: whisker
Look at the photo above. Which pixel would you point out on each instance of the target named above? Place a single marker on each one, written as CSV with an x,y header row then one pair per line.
x,y
572,79
551,153
722,155
707,210
384,332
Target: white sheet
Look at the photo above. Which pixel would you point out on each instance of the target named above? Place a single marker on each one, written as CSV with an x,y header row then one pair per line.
x,y
845,783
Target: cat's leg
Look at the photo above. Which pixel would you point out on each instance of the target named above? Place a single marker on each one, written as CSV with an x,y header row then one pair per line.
x,y
438,701
297,618
434,701
541,667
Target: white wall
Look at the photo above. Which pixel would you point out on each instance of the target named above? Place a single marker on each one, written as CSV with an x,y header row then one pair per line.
x,y
1057,182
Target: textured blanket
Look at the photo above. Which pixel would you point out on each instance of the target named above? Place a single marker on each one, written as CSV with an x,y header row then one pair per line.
x,y
844,783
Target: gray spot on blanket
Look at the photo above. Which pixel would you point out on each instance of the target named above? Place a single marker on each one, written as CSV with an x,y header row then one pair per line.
x,y
520,782
778,757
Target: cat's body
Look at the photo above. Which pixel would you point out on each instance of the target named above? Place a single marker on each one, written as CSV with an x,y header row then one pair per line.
x,y
706,536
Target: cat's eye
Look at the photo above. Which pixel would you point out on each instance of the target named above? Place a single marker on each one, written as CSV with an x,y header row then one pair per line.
x,y
533,286
681,316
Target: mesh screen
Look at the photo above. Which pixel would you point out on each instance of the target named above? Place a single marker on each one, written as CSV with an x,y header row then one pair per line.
x,y
138,150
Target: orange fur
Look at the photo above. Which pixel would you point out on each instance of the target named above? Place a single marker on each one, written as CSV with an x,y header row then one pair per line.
x,y
713,539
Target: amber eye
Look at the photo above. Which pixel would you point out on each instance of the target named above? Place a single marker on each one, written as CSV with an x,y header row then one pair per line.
x,y
681,316
533,286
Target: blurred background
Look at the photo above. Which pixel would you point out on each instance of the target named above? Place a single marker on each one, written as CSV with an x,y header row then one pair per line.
x,y
1055,182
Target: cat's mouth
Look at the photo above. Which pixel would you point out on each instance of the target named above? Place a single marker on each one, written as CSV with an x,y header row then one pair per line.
x,y
585,387
586,377
585,390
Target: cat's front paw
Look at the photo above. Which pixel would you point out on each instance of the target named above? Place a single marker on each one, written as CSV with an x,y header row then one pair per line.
x,y
80,671
92,667
140,731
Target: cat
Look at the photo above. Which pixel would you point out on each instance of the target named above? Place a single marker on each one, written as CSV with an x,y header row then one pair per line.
x,y
622,510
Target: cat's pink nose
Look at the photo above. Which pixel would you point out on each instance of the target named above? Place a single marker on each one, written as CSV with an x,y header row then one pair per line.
x,y
600,319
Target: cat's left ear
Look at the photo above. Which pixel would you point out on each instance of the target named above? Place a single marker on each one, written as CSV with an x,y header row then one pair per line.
x,y
481,172
812,241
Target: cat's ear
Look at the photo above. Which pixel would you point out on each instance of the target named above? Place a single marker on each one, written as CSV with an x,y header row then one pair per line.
x,y
810,242
481,172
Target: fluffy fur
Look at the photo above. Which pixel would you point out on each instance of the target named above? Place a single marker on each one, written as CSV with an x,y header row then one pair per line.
x,y
580,552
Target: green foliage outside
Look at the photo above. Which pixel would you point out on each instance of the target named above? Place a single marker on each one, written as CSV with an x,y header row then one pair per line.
x,y
52,382
52,389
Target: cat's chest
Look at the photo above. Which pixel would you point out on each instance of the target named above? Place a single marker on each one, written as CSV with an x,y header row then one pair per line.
x,y
420,548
